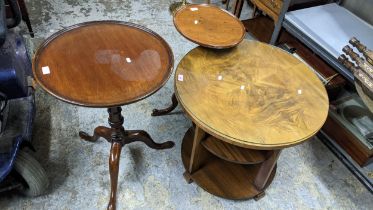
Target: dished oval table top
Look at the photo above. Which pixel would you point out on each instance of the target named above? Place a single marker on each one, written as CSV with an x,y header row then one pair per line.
x,y
209,26
103,63
254,95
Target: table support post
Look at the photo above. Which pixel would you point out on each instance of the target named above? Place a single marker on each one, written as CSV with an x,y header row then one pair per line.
x,y
117,136
265,170
199,134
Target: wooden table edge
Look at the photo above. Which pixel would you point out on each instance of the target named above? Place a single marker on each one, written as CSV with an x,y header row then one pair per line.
x,y
236,142
106,105
204,44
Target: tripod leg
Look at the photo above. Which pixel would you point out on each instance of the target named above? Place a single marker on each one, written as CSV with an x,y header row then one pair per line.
x,y
143,136
159,112
115,150
100,131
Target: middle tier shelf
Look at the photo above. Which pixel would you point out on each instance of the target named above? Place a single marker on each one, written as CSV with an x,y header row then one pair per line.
x,y
234,153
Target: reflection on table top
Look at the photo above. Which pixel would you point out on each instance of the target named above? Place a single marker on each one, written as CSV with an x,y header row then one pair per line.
x,y
209,26
103,63
254,95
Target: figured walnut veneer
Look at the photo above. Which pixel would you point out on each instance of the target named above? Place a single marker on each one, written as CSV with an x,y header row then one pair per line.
x,y
254,95
103,63
209,26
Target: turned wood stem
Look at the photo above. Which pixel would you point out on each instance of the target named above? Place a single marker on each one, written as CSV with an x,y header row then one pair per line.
x,y
117,135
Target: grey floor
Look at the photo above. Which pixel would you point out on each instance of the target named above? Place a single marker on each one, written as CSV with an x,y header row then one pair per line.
x,y
309,176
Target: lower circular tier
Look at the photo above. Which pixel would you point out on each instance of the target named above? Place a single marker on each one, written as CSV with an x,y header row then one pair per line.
x,y
220,177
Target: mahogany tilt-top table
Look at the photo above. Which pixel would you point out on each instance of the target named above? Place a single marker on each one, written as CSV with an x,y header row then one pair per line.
x,y
105,64
247,103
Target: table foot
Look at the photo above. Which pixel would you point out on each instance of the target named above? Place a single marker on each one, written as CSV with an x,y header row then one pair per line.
x,y
143,136
159,112
100,131
114,158
259,196
187,177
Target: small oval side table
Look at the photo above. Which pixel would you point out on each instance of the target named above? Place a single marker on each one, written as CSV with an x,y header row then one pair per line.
x,y
247,103
105,64
209,26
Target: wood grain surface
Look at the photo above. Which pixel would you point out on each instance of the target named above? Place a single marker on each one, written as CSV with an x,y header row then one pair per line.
x,y
103,63
254,95
232,153
209,26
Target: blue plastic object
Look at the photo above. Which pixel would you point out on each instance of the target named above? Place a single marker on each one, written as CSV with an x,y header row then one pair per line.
x,y
16,118
17,130
15,66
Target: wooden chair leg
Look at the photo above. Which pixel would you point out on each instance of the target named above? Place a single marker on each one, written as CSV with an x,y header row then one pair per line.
x,y
255,10
25,16
238,8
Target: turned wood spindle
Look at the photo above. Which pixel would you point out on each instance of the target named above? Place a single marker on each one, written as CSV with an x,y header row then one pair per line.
x,y
363,65
368,54
360,76
348,64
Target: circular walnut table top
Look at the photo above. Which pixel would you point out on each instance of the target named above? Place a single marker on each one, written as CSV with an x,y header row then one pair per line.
x,y
209,26
254,95
103,63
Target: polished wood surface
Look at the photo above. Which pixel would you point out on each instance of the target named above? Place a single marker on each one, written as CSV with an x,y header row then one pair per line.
x,y
262,27
254,95
232,153
103,63
209,26
222,178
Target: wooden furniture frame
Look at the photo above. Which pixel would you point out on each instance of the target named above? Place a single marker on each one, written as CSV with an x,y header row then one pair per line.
x,y
226,170
233,147
277,14
105,75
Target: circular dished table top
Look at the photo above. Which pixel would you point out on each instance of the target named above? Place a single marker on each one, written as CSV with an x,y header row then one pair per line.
x,y
103,63
209,26
254,95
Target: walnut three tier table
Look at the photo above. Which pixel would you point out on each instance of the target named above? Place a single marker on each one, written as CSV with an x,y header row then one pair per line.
x,y
105,64
247,103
